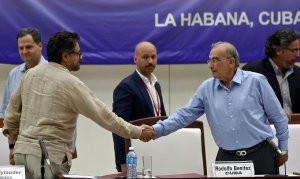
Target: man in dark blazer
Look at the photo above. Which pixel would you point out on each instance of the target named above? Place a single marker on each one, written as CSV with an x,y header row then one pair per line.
x,y
137,96
282,49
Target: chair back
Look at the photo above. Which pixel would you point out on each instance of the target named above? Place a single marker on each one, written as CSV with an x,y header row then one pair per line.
x,y
180,152
4,152
292,165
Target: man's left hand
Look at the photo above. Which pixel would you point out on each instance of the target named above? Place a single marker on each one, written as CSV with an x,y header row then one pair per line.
x,y
11,157
281,159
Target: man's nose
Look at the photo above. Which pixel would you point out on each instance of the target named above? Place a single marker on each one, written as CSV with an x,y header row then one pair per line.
x,y
24,50
151,60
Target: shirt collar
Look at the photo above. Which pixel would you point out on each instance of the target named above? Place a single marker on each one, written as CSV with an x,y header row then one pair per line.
x,y
146,80
23,66
276,68
237,78
59,66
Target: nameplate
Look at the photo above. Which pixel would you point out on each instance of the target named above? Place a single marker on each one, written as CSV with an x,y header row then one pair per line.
x,y
233,169
12,172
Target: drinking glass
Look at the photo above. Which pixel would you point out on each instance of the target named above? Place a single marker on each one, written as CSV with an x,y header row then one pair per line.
x,y
147,166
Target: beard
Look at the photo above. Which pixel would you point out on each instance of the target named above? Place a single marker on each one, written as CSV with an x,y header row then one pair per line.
x,y
289,63
76,67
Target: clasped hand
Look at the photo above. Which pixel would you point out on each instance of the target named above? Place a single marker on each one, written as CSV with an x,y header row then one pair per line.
x,y
147,134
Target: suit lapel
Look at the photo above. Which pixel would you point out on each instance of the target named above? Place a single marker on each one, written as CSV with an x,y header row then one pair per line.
x,y
271,76
292,86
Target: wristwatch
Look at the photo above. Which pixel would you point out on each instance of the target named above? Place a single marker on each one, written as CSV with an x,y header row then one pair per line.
x,y
284,152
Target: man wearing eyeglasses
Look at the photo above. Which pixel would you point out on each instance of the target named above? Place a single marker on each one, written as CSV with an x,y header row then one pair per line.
x,y
238,105
46,106
282,48
30,49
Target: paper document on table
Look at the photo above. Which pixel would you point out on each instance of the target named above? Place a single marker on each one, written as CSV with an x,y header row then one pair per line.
x,y
77,176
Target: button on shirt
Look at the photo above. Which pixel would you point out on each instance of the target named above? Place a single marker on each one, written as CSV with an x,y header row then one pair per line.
x,y
14,78
238,117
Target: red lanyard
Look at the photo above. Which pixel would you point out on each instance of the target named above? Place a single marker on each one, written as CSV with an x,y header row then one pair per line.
x,y
155,107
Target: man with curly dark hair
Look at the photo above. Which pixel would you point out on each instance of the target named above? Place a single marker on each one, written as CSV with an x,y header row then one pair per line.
x,y
282,49
46,105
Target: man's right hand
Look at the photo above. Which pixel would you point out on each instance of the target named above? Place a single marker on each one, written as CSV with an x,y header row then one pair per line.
x,y
147,133
11,157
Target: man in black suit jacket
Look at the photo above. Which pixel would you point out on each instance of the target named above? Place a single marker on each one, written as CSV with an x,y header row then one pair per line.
x,y
137,96
282,49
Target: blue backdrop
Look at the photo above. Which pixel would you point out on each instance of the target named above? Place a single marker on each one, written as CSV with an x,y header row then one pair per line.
x,y
182,30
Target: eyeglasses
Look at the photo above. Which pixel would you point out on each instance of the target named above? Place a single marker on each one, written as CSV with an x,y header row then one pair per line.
x,y
77,53
214,60
295,51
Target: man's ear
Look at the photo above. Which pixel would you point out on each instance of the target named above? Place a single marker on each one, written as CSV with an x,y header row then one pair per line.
x,y
279,51
232,60
64,59
64,56
40,45
135,59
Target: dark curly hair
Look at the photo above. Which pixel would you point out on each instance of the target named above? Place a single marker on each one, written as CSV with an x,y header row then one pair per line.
x,y
280,39
61,42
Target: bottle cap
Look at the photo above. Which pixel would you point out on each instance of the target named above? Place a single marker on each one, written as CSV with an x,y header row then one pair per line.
x,y
131,148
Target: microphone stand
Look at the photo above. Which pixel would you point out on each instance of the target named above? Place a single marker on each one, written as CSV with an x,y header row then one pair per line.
x,y
43,158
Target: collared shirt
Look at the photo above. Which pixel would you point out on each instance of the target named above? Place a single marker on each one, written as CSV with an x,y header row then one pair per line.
x,y
46,105
238,117
150,86
13,79
284,86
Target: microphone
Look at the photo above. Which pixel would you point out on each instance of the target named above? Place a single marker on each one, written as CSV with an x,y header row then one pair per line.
x,y
44,151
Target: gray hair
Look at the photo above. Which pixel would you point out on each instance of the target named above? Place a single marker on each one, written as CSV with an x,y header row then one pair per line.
x,y
281,38
230,51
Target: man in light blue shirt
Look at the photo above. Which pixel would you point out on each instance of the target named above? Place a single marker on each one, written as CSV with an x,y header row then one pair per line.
x,y
238,106
30,50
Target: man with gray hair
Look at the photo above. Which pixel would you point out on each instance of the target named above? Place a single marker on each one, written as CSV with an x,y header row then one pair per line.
x,y
282,49
238,105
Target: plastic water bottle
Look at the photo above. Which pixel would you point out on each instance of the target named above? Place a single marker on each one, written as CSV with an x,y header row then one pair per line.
x,y
131,161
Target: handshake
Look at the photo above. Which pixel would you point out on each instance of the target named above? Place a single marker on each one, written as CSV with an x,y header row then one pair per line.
x,y
147,133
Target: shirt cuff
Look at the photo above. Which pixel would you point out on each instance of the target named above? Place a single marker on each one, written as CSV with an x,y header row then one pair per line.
x,y
11,146
158,129
283,145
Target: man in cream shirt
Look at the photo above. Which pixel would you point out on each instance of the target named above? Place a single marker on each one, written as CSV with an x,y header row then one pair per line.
x,y
46,106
